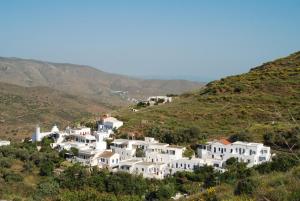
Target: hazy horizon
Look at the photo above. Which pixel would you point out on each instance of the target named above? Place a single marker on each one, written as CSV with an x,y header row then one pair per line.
x,y
194,40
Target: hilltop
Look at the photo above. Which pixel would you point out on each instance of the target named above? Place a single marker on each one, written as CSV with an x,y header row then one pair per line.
x,y
266,99
22,108
86,81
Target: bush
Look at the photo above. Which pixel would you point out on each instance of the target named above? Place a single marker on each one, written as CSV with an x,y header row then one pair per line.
x,y
139,152
188,152
74,151
284,140
12,177
46,168
163,193
5,162
46,189
245,186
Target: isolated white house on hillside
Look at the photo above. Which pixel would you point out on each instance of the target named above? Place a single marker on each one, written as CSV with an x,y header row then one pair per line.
x,y
112,123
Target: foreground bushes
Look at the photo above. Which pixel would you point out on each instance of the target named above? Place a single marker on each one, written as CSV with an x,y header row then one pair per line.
x,y
281,163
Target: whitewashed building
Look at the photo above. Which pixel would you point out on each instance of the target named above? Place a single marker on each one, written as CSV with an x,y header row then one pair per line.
x,y
163,153
111,123
155,159
159,99
108,159
248,152
4,143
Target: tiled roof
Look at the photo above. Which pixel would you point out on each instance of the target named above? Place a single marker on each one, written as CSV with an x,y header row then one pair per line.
x,y
224,141
106,154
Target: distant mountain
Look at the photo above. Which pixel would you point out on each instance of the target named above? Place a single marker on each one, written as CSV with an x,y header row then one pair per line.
x,y
86,81
264,100
21,108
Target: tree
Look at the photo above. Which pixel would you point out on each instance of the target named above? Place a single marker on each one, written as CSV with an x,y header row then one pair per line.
x,y
74,177
74,151
189,153
139,152
165,192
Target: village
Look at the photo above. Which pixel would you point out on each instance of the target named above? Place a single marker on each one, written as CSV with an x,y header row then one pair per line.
x,y
149,157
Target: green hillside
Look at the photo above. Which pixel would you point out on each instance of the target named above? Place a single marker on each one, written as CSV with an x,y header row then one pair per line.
x,y
266,99
22,108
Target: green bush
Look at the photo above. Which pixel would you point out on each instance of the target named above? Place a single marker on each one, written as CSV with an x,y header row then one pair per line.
x,y
12,177
47,188
5,162
46,168
245,186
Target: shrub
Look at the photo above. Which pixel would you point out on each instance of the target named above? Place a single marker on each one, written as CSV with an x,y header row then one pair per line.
x,y
46,189
46,168
188,152
139,152
5,162
245,186
12,177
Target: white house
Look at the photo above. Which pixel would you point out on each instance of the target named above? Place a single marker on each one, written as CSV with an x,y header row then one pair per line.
x,y
187,164
150,170
112,123
146,169
159,99
88,156
108,159
127,148
163,153
128,165
4,143
248,152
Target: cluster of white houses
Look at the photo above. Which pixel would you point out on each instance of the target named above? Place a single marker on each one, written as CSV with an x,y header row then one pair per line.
x,y
148,157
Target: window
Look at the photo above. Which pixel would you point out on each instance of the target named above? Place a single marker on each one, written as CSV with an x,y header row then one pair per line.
x,y
113,160
215,150
231,150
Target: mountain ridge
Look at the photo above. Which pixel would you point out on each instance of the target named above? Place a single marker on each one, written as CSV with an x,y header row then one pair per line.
x,y
86,80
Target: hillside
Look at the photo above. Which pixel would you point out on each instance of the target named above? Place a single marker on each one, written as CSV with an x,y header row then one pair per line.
x,y
86,81
266,99
22,108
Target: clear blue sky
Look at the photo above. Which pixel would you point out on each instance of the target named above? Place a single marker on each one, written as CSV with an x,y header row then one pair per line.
x,y
200,40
